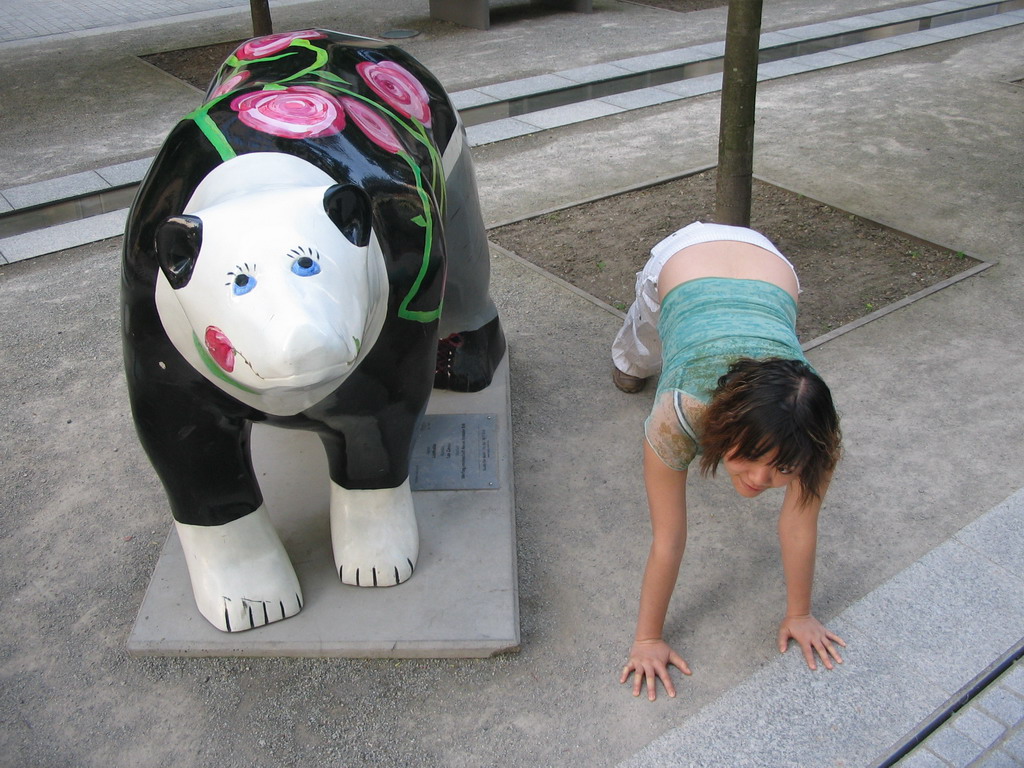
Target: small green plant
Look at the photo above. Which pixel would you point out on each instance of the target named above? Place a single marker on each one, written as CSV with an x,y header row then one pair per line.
x,y
600,266
620,305
960,255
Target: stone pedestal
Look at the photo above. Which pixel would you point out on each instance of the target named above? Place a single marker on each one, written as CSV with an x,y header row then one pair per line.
x,y
462,601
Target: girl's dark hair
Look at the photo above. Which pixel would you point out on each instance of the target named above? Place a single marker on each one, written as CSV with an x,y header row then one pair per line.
x,y
773,407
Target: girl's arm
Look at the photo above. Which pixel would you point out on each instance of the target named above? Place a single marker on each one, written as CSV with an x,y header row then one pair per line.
x,y
798,537
650,655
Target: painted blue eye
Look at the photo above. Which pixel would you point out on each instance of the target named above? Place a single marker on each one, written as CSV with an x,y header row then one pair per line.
x,y
305,267
242,284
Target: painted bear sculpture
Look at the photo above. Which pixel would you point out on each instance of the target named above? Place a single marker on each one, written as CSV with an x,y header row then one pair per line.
x,y
285,262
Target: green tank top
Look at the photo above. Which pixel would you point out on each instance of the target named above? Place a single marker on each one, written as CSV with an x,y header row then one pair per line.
x,y
705,325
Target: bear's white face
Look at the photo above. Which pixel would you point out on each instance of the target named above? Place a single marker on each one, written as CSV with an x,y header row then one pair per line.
x,y
279,305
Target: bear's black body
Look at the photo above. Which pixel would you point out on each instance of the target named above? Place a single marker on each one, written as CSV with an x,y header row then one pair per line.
x,y
196,434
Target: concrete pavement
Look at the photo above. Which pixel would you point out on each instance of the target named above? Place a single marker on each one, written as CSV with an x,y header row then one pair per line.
x,y
920,537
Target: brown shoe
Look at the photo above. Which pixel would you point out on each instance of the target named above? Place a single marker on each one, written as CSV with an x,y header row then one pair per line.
x,y
626,383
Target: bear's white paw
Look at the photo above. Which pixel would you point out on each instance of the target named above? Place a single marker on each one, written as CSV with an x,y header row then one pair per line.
x,y
374,533
241,575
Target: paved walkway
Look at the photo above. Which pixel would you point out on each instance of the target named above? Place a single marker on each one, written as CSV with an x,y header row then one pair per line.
x,y
32,19
932,605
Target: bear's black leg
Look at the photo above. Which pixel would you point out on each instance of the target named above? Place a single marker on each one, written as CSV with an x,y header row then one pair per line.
x,y
368,431
240,572
374,534
200,452
472,342
466,361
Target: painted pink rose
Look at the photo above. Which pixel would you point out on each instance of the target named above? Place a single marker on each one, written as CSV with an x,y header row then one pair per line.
x,y
298,112
271,44
230,84
398,87
372,123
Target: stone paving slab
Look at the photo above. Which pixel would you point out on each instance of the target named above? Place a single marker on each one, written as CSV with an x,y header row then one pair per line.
x,y
695,86
515,89
643,97
498,130
62,236
555,117
956,608
124,174
42,192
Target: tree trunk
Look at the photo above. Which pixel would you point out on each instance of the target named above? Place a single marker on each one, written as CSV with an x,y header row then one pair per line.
x,y
261,23
736,128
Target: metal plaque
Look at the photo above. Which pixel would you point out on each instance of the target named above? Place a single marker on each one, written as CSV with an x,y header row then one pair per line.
x,y
455,452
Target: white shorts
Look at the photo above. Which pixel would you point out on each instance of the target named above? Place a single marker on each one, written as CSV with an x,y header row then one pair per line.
x,y
636,349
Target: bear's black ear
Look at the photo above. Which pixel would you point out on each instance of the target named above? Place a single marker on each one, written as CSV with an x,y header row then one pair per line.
x,y
349,208
177,247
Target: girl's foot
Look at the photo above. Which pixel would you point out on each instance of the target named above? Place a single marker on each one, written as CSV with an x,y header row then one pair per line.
x,y
626,383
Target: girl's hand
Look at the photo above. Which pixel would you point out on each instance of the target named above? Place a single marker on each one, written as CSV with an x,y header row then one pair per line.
x,y
650,659
812,636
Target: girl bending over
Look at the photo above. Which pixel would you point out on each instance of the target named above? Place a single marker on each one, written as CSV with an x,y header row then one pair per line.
x,y
715,313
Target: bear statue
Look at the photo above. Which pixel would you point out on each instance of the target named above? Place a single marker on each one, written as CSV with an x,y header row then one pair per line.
x,y
286,261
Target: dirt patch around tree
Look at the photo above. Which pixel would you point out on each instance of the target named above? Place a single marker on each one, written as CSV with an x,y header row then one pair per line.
x,y
196,66
849,267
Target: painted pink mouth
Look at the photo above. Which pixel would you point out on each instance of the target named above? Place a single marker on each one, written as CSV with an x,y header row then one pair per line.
x,y
220,348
